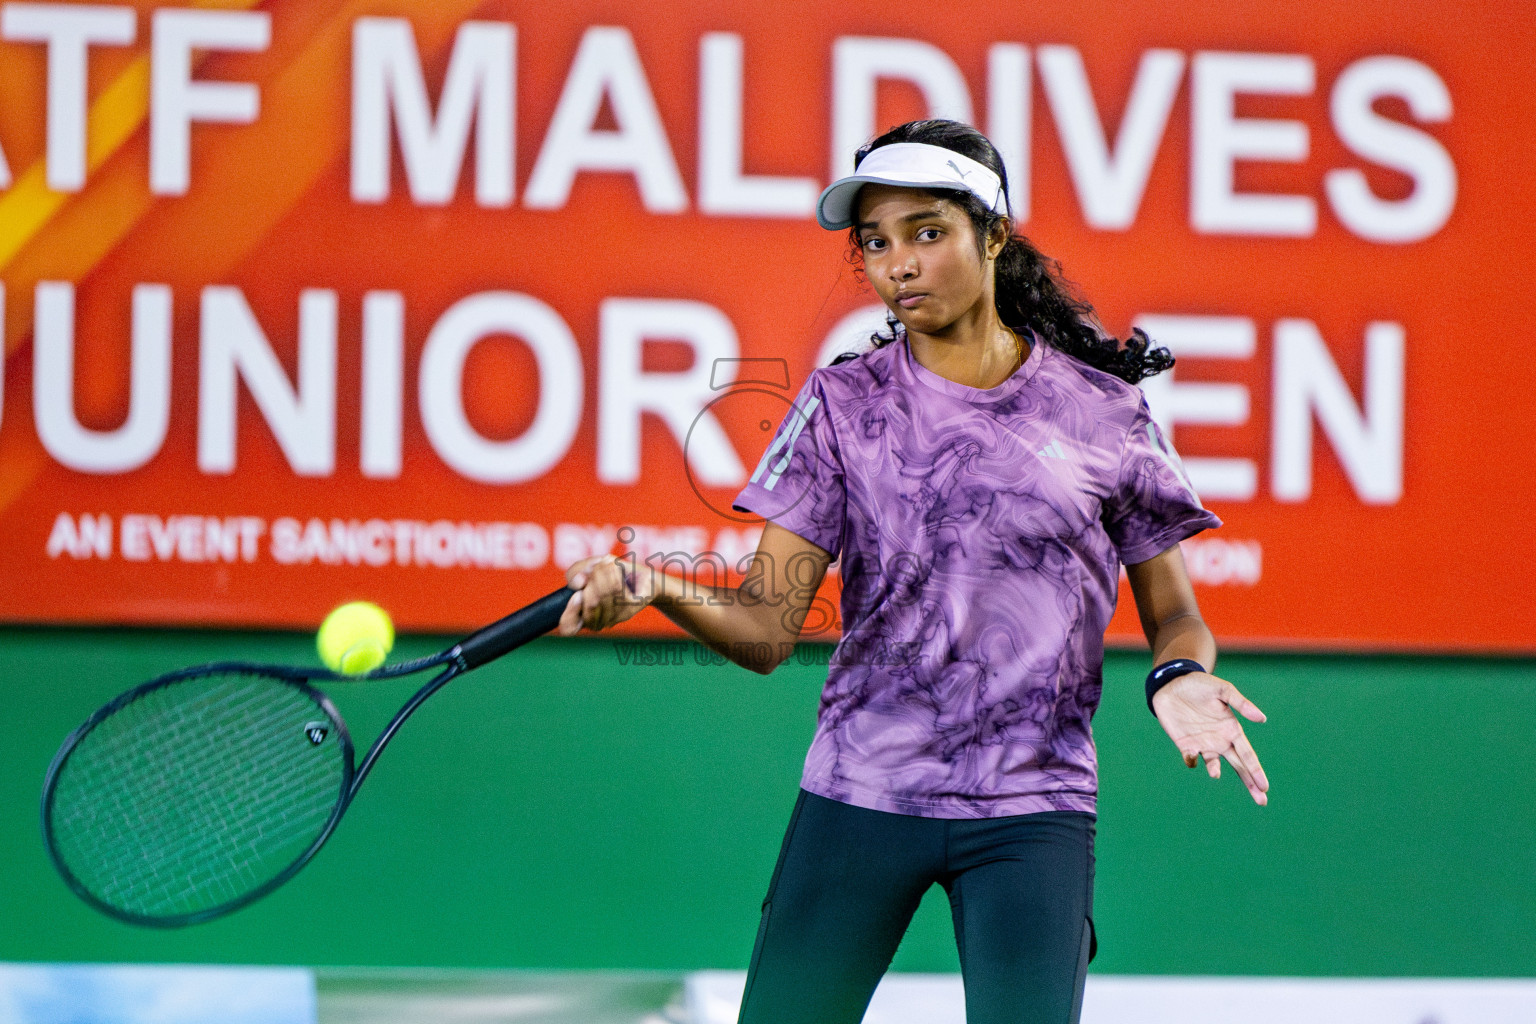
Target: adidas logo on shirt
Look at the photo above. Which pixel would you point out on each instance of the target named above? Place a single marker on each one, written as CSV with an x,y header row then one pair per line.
x,y
1054,450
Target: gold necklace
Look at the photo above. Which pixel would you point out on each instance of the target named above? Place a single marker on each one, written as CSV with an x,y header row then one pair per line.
x,y
1018,345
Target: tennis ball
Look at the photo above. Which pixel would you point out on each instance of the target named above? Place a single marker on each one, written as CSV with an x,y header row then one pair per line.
x,y
355,638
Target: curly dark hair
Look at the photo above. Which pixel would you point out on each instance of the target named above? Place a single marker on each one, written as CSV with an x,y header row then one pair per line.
x,y
1031,292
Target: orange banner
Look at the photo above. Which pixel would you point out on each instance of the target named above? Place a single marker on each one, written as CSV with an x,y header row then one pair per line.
x,y
420,302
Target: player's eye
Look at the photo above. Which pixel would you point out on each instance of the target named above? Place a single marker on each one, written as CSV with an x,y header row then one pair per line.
x,y
873,244
929,234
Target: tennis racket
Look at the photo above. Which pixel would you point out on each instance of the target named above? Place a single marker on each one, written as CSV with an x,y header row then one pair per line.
x,y
201,791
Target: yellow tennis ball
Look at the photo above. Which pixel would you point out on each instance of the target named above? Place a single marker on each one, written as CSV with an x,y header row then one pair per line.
x,y
355,638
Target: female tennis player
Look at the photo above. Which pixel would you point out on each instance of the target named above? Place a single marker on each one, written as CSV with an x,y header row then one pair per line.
x,y
983,471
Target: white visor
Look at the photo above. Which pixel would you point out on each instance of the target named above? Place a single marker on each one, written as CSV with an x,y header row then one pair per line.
x,y
909,165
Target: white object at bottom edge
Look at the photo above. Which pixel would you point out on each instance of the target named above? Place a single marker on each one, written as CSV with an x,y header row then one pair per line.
x,y
714,997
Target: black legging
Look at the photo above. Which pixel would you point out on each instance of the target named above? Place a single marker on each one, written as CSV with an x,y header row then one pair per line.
x,y
849,879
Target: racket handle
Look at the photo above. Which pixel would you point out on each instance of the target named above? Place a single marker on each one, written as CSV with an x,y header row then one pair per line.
x,y
491,642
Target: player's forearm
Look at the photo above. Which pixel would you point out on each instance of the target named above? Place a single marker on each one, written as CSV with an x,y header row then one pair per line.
x,y
1184,636
731,621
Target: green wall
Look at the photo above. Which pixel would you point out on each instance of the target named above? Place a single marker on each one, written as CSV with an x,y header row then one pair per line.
x,y
561,810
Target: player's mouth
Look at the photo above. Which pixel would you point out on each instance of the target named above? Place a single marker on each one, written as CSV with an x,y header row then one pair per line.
x,y
909,300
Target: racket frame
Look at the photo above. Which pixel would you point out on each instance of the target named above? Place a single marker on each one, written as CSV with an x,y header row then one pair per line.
x,y
289,676
480,647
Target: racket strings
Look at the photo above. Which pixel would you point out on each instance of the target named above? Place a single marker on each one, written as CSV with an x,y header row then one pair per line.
x,y
197,793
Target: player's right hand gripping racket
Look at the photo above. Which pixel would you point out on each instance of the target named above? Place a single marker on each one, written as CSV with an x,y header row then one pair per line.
x,y
205,789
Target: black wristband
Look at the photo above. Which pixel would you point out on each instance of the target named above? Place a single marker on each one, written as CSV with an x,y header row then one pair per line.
x,y
1166,673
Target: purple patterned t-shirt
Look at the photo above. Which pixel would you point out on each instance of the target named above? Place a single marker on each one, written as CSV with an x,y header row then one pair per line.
x,y
980,534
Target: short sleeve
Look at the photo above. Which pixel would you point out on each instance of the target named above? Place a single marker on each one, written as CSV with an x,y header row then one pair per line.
x,y
1153,506
798,483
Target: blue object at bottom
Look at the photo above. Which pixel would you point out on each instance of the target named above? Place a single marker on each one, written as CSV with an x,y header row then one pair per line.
x,y
159,994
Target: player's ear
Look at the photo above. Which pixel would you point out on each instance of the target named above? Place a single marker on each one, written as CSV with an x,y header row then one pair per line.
x,y
998,237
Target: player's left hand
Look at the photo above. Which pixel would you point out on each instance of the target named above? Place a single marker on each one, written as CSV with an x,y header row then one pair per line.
x,y
1196,712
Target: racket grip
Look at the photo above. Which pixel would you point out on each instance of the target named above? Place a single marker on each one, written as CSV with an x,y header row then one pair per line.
x,y
491,642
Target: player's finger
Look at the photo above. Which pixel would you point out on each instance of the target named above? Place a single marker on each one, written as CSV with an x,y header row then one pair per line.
x,y
610,585
1212,764
591,605
1255,789
1249,760
1243,773
1242,705
578,572
570,618
1260,797
1191,757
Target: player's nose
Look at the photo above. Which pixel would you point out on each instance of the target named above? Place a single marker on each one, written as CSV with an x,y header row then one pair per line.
x,y
904,265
